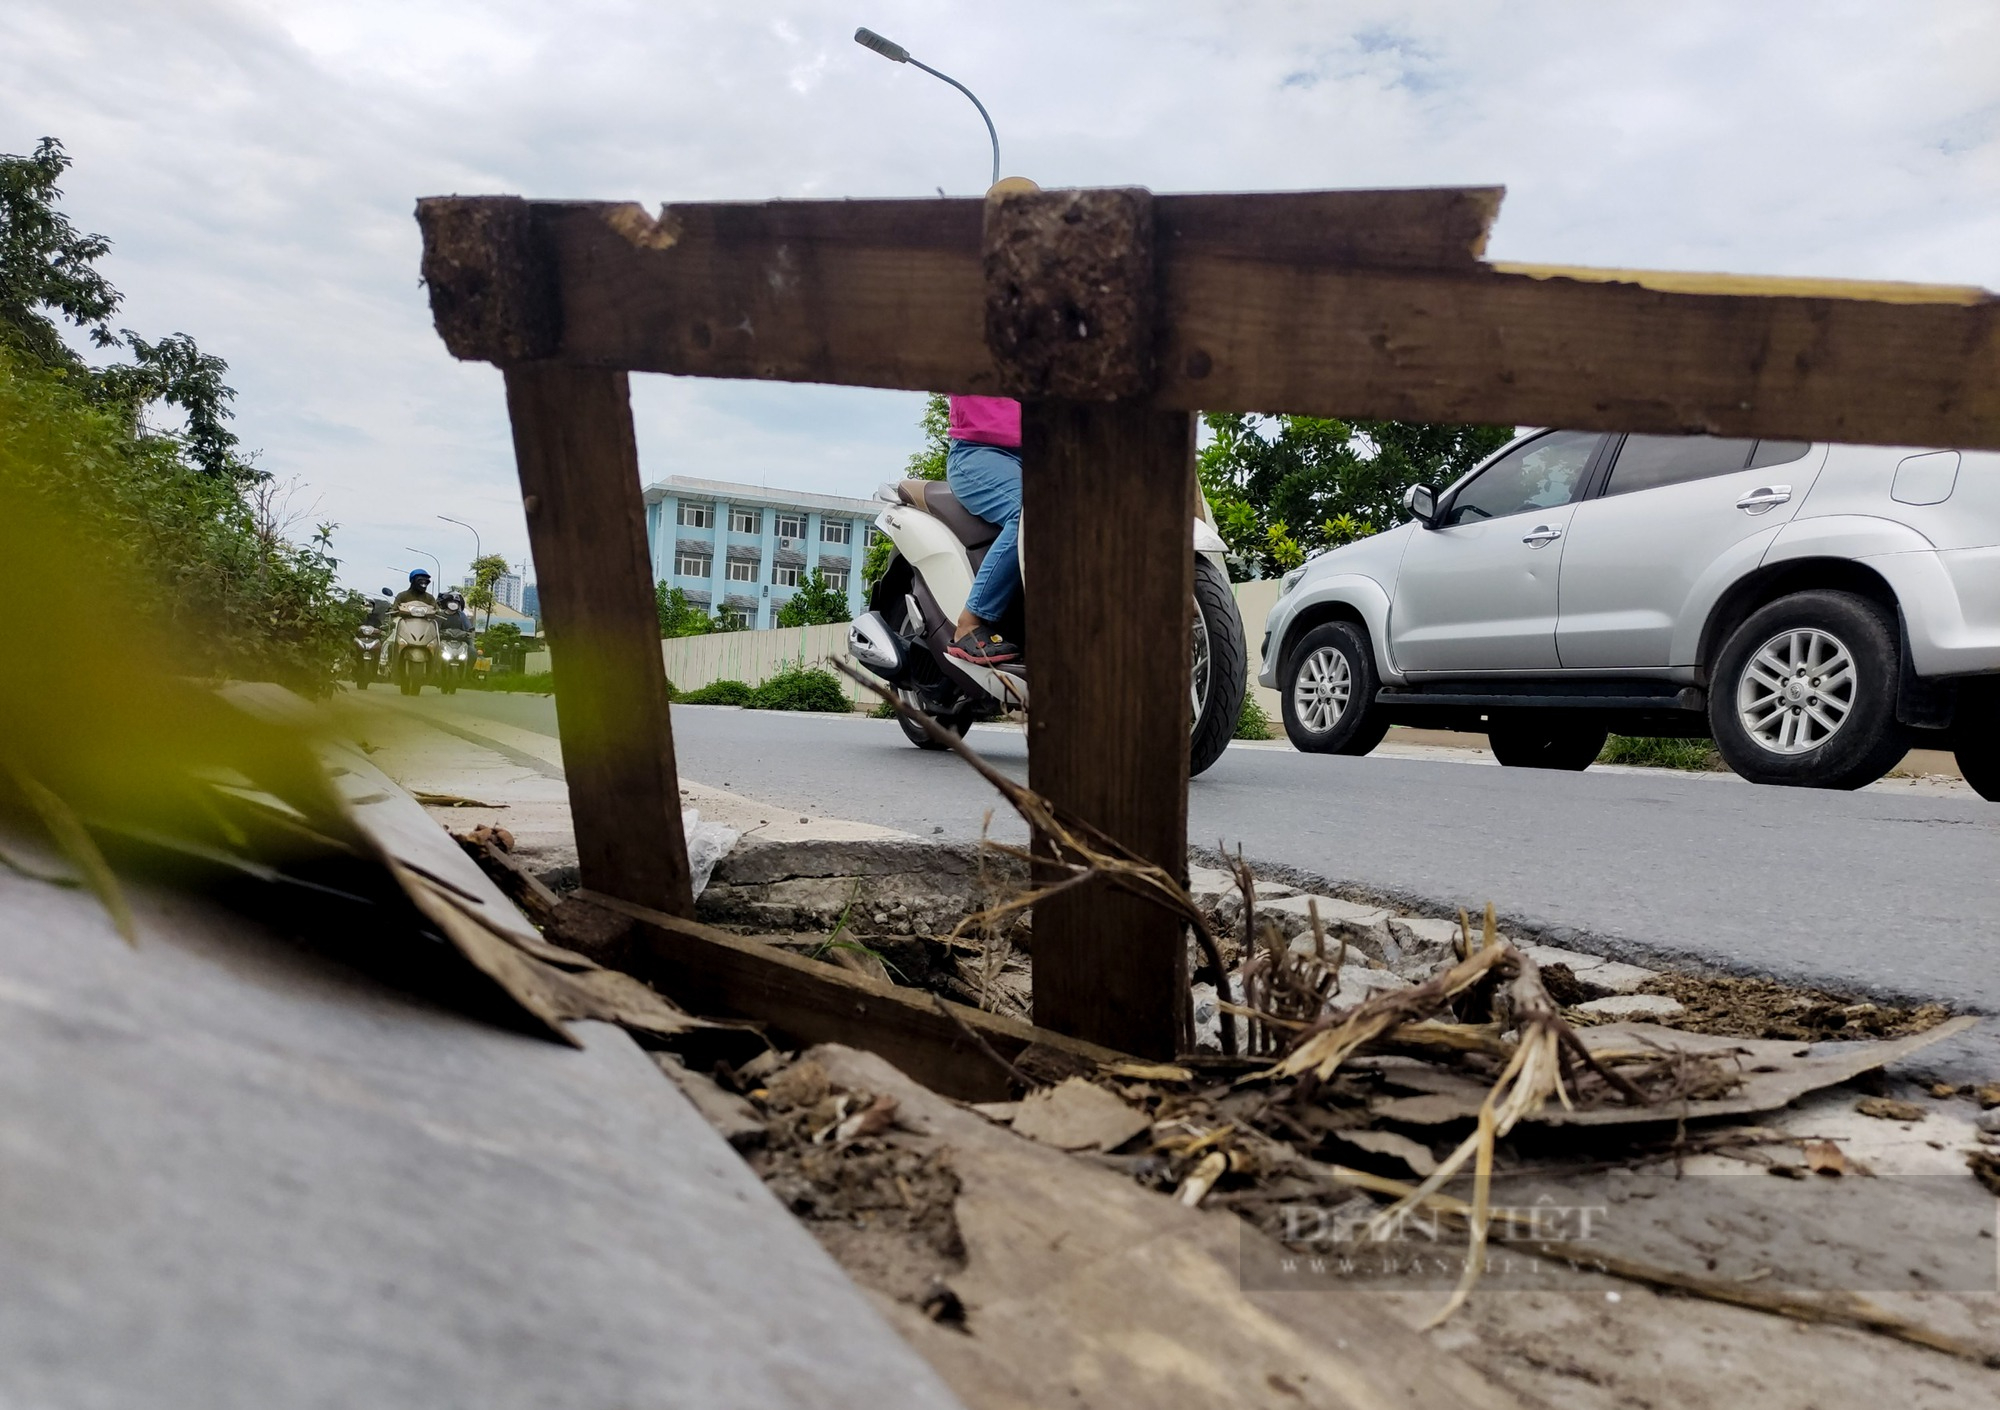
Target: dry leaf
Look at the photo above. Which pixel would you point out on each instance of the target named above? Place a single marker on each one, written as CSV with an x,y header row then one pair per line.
x,y
1825,1158
1985,1167
1988,1094
1076,1115
1889,1109
877,1117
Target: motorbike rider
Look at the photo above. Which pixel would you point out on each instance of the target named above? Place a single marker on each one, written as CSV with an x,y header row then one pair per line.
x,y
419,589
983,468
451,606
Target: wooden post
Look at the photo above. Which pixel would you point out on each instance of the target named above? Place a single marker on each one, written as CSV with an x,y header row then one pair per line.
x,y
1109,565
579,471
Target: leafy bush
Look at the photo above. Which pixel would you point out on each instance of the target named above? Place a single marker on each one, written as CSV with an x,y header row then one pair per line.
x,y
718,693
1696,755
1251,721
799,687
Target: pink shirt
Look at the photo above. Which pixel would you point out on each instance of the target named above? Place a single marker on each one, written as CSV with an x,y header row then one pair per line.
x,y
993,421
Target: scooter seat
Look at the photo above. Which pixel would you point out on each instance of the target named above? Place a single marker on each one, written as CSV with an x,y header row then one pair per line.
x,y
942,505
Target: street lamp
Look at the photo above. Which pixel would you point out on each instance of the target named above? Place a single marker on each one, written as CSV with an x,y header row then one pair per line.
x,y
475,537
896,53
434,558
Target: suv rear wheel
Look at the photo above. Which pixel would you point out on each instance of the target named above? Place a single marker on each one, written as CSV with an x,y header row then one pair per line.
x,y
1805,693
1546,742
1327,692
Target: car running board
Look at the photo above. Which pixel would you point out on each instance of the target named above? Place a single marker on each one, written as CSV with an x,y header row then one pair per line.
x,y
1690,698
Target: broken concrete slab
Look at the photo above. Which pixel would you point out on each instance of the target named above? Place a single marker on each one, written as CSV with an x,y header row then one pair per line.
x,y
242,1176
1633,1006
1598,976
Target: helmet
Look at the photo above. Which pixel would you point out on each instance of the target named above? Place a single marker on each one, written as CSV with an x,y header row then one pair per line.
x,y
451,600
423,573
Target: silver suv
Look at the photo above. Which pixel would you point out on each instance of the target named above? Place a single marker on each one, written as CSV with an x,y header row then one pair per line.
x,y
1815,609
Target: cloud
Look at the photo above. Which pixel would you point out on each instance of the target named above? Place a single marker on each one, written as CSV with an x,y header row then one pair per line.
x,y
256,166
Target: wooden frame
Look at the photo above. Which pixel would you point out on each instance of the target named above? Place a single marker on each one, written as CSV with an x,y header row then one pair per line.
x,y
1114,314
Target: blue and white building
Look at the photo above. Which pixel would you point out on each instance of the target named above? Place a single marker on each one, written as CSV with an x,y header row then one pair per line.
x,y
744,549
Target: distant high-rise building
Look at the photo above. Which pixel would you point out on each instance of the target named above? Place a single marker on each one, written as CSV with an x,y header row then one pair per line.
x,y
507,589
531,601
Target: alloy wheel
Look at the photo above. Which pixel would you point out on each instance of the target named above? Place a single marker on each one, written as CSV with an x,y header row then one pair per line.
x,y
1198,677
1796,690
1324,686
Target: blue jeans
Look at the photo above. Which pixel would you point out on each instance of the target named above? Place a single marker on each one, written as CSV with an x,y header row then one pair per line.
x,y
987,480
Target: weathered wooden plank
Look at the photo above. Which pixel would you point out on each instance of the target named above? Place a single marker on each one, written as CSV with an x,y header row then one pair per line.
x,y
1352,303
1480,345
862,293
579,468
1108,497
802,1001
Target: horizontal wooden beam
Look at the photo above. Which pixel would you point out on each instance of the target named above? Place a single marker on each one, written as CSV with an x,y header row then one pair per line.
x,y
1358,304
801,1001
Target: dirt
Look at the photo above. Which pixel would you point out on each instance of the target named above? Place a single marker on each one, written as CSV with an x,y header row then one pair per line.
x,y
1764,1008
886,1213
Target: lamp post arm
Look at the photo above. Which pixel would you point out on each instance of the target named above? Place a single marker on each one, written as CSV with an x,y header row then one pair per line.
x,y
990,131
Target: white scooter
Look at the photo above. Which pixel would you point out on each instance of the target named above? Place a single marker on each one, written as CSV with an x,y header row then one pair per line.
x,y
413,645
914,607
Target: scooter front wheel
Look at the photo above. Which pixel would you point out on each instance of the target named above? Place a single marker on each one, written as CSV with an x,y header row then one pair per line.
x,y
957,724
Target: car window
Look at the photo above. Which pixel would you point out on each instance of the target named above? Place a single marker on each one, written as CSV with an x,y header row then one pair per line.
x,y
1778,453
1545,473
1648,462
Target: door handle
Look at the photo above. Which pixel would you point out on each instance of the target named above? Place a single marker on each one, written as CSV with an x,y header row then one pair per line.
x,y
1764,500
1541,536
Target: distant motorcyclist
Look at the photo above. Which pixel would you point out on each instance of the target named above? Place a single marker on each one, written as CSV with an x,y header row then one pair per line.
x,y
419,590
452,605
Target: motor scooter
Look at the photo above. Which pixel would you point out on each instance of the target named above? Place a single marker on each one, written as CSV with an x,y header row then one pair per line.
x,y
413,645
367,665
914,607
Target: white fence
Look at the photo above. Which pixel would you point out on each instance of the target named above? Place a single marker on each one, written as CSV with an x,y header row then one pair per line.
x,y
754,657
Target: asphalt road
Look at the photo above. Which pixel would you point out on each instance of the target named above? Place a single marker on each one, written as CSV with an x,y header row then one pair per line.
x,y
1894,894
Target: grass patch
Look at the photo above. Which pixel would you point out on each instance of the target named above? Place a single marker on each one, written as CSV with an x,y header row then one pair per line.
x,y
541,683
1251,721
1693,755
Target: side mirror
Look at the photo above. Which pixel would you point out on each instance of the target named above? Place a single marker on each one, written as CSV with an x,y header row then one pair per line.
x,y
387,593
1420,502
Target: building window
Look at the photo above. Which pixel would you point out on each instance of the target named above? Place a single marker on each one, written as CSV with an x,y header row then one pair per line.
x,y
791,526
835,531
874,536
836,578
691,565
746,521
784,575
742,571
736,617
697,516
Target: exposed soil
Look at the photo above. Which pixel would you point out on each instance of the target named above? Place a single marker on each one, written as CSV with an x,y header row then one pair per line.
x,y
886,1213
1764,1008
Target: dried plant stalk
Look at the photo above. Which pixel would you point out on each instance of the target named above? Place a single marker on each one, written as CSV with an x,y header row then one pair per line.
x,y
1085,852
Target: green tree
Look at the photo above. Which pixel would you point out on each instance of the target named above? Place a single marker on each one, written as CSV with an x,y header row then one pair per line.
x,y
814,604
1282,487
200,541
679,617
487,570
935,423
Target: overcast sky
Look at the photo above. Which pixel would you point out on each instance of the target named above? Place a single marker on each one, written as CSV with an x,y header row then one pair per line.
x,y
256,165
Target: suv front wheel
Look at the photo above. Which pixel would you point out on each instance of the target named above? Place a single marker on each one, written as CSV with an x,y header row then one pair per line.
x,y
1805,693
1328,692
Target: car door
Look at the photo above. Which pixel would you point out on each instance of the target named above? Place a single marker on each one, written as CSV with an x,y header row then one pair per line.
x,y
1479,591
1679,518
